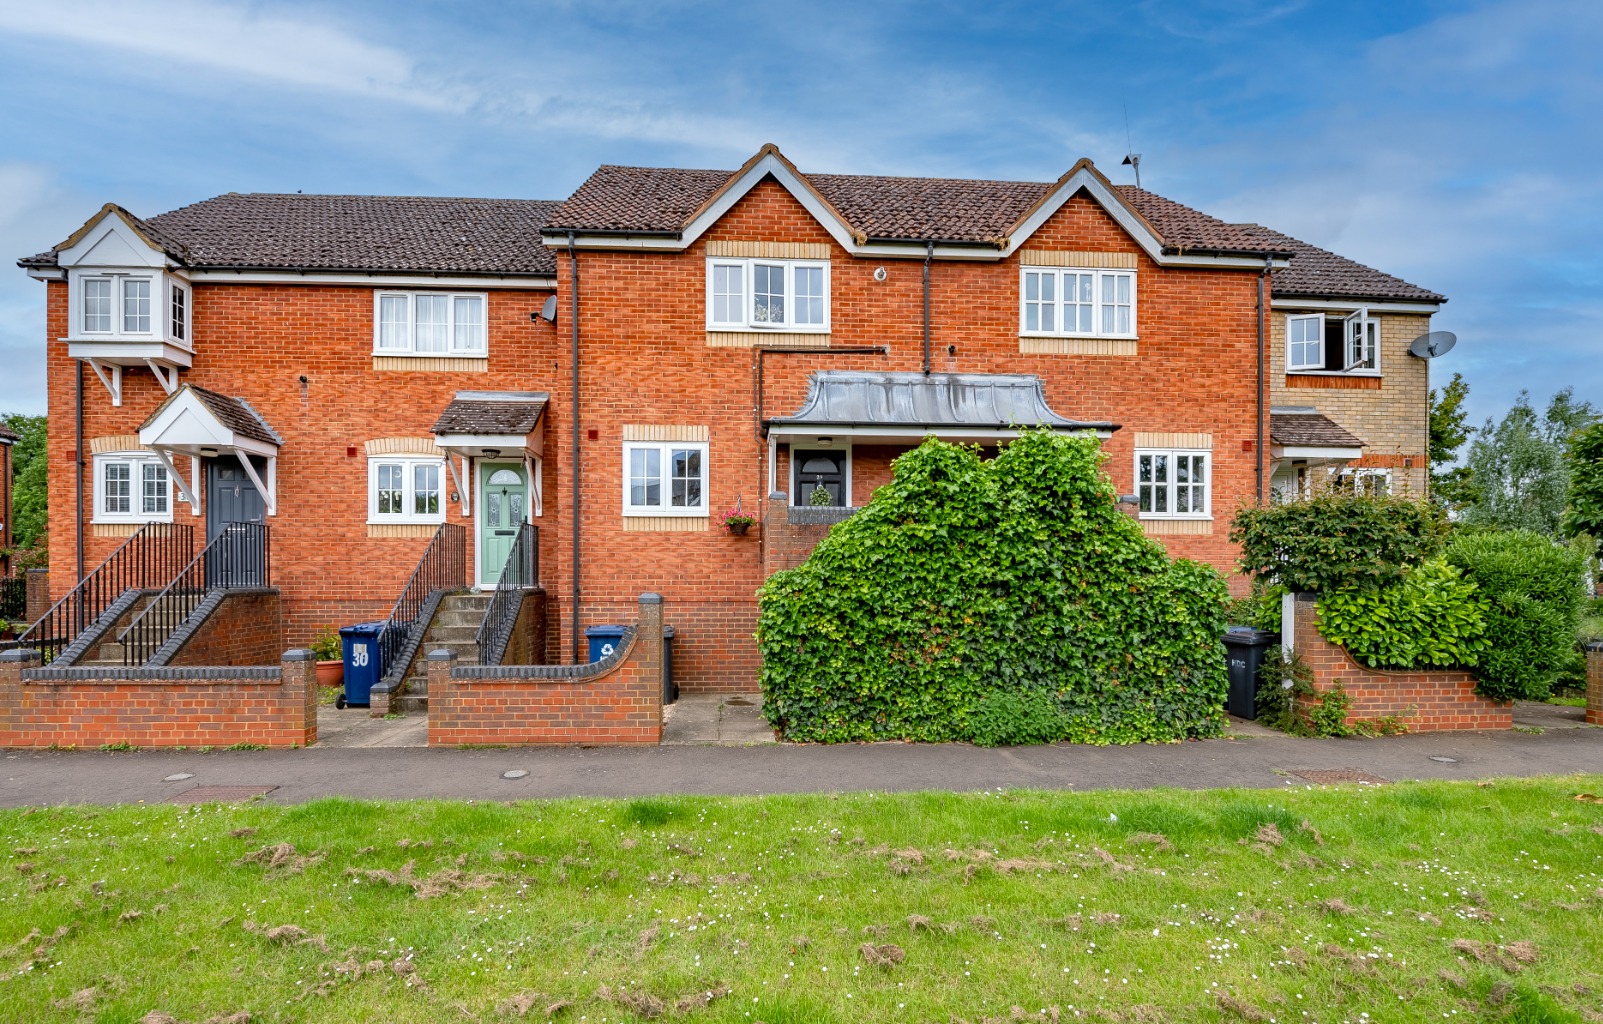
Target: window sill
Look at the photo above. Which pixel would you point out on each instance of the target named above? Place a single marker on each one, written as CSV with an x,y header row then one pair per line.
x,y
1334,373
414,363
1052,345
667,513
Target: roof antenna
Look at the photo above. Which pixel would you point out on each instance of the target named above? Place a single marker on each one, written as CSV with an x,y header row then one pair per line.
x,y
1131,158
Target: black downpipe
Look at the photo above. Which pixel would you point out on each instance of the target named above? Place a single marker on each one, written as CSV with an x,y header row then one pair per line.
x,y
573,484
1263,277
77,456
929,254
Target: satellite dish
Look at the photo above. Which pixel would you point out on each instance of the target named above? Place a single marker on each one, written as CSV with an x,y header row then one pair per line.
x,y
1436,343
548,312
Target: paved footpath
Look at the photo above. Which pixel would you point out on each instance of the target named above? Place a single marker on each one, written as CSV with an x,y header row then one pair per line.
x,y
1265,761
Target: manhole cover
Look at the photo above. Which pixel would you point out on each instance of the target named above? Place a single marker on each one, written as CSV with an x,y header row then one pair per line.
x,y
739,702
516,773
220,794
1326,776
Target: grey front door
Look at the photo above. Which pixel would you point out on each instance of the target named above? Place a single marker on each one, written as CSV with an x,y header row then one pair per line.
x,y
232,498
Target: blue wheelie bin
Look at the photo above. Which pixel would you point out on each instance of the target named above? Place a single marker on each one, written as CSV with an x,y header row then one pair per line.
x,y
603,640
364,663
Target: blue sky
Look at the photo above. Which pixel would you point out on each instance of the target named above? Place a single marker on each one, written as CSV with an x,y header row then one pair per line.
x,y
1453,144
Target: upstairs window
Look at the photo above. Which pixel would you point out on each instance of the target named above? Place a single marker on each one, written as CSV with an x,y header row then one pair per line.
x,y
430,324
1173,484
1316,343
179,313
767,294
665,479
120,304
1077,303
402,490
131,487
136,305
97,305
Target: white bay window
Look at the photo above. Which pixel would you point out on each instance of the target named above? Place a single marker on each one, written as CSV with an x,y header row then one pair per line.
x,y
767,294
430,324
1077,303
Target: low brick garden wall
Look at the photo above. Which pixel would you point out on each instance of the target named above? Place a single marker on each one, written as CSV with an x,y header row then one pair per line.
x,y
273,706
1594,684
617,700
1428,701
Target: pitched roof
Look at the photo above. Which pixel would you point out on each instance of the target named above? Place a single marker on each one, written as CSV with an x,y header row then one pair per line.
x,y
855,398
234,413
1304,428
492,412
1183,228
7,435
393,234
1319,273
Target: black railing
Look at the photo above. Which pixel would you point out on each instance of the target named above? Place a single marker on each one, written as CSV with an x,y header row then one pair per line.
x,y
520,572
444,566
151,558
238,558
13,598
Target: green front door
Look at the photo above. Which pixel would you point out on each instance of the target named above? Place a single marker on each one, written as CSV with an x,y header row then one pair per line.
x,y
503,506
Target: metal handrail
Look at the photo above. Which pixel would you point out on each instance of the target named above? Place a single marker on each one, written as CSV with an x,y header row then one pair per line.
x,y
238,558
520,572
149,559
444,566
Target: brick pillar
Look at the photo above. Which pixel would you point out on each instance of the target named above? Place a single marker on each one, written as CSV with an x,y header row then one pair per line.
x,y
12,664
299,668
441,711
1594,684
649,648
38,594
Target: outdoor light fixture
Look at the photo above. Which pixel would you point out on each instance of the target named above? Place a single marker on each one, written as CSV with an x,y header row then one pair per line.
x,y
492,453
210,453
825,442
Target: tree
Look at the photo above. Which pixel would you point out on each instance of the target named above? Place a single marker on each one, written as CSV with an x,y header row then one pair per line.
x,y
1584,514
1518,466
1452,487
28,471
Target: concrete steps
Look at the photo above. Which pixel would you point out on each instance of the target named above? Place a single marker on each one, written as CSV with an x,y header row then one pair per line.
x,y
163,619
455,626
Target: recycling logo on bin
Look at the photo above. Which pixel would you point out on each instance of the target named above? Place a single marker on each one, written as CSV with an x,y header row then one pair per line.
x,y
607,650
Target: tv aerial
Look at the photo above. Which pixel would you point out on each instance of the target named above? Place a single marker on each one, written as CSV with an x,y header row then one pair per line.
x,y
1433,344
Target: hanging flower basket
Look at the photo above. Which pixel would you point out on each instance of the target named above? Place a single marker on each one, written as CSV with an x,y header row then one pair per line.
x,y
737,522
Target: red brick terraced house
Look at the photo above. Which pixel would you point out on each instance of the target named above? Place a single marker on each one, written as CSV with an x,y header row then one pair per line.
x,y
585,388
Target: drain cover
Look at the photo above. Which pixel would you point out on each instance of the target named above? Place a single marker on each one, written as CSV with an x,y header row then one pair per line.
x,y
516,773
1326,776
220,794
739,702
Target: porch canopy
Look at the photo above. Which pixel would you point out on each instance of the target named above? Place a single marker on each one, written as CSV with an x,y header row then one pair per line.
x,y
1301,434
906,407
202,423
491,425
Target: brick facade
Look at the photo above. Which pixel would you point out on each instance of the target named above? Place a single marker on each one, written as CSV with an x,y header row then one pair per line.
x,y
245,629
157,707
614,701
1433,701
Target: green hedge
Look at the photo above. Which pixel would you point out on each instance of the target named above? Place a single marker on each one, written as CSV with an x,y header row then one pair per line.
x,y
1432,618
1534,593
1337,540
1001,602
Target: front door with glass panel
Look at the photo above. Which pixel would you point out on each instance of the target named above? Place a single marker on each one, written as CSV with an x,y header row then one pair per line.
x,y
819,471
503,507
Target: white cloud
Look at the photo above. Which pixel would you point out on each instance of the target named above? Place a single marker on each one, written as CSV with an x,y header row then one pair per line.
x,y
234,40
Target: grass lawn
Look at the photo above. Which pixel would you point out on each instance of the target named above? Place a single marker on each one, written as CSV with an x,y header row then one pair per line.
x,y
1409,902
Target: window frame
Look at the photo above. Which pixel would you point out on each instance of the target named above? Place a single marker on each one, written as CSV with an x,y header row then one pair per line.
x,y
452,350
1345,476
1171,484
157,287
1062,304
748,294
1318,366
665,450
178,312
136,463
1371,329
409,465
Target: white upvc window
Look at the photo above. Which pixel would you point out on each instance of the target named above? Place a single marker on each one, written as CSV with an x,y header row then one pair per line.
x,y
131,487
118,304
1174,484
1362,334
178,312
430,324
1077,303
1376,482
767,295
405,490
96,305
665,479
1305,342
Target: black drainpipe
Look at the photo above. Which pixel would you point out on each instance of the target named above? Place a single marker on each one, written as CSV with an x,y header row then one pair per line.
x,y
573,283
78,469
929,254
1263,277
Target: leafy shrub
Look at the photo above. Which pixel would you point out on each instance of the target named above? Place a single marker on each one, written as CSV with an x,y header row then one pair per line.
x,y
996,601
1533,592
1337,540
327,646
1259,609
1431,618
1288,701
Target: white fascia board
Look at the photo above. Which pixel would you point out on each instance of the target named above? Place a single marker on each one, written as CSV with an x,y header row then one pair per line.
x,y
1116,208
1334,454
428,282
47,273
799,189
460,442
129,353
1349,305
119,245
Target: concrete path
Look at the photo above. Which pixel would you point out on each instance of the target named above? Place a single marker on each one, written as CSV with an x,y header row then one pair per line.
x,y
1256,760
730,720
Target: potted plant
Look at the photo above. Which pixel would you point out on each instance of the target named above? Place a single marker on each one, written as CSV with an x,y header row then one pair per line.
x,y
330,657
820,498
737,522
